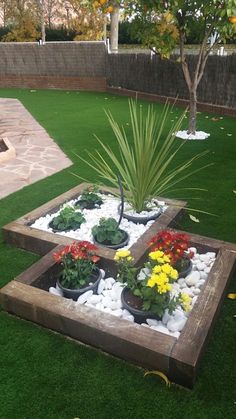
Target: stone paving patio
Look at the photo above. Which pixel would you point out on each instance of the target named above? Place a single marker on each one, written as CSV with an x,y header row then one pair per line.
x,y
37,155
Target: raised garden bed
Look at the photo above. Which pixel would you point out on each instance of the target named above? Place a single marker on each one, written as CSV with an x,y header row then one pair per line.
x,y
27,296
20,233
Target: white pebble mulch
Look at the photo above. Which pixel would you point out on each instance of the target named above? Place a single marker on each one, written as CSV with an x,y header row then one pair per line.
x,y
109,291
200,135
108,209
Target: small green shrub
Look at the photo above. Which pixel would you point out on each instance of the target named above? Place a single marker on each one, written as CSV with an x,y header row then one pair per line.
x,y
68,219
108,231
89,198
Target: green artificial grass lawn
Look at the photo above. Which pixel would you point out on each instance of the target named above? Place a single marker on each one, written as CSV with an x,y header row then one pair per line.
x,y
44,375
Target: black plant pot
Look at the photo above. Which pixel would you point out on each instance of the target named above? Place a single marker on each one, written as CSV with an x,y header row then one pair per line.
x,y
75,293
113,246
57,230
83,204
140,316
139,219
183,272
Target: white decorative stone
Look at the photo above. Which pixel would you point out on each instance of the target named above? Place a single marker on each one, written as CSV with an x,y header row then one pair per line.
x,y
84,297
161,329
194,299
166,317
203,275
129,318
116,292
196,291
152,322
201,283
107,310
107,302
181,282
102,273
188,291
117,312
143,274
205,258
176,325
193,249
199,135
101,286
100,306
201,266
175,334
56,291
109,208
212,255
178,313
94,299
207,270
109,282
192,278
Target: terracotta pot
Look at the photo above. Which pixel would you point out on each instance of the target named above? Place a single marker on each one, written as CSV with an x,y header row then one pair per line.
x,y
75,293
129,301
113,246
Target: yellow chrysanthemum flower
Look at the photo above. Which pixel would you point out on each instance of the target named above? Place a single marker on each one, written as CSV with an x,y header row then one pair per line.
x,y
122,254
166,258
185,297
166,268
151,282
156,255
163,288
185,301
162,278
156,269
174,273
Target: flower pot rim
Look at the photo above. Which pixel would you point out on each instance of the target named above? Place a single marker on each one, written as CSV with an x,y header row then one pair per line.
x,y
94,205
98,271
114,246
141,219
142,314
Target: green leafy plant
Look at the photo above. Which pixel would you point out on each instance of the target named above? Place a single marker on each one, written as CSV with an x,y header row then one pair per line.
x,y
78,264
108,231
89,198
151,284
68,219
145,162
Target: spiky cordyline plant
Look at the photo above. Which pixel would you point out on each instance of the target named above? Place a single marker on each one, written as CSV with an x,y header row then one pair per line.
x,y
144,164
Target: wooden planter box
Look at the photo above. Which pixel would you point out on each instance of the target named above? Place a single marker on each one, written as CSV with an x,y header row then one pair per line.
x,y
19,233
26,296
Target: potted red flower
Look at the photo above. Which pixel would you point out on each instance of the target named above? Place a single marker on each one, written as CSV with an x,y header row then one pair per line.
x,y
175,246
79,271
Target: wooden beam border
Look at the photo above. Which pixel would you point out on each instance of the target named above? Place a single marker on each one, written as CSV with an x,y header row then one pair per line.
x,y
179,359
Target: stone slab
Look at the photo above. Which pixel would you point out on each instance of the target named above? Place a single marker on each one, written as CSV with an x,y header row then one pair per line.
x,y
37,155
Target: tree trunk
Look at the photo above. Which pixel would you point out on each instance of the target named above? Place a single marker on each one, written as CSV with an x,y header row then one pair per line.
x,y
43,34
114,30
192,111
